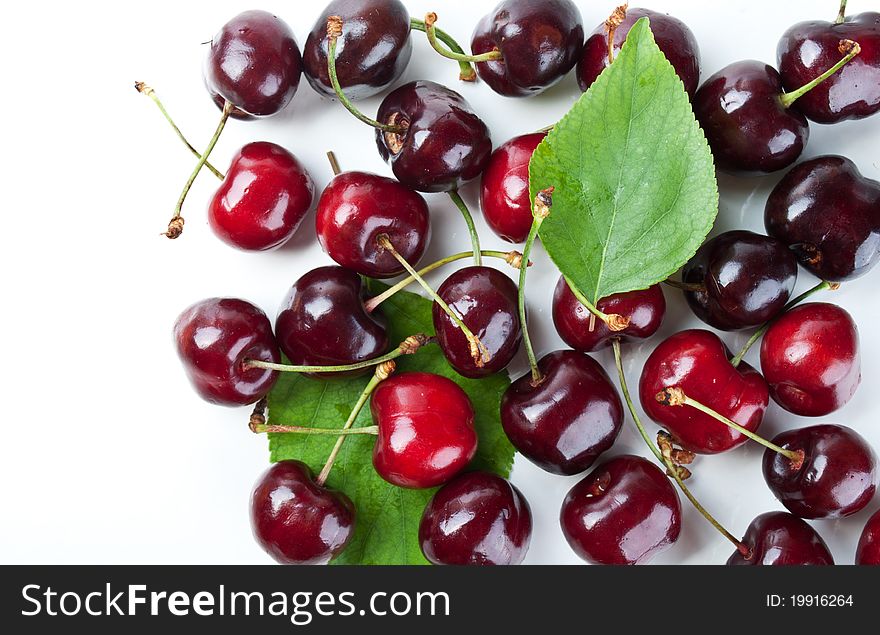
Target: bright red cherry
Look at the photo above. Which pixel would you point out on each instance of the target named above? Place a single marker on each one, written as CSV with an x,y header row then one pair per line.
x,y
810,358
868,550
780,539
297,521
426,430
478,518
623,512
214,339
697,362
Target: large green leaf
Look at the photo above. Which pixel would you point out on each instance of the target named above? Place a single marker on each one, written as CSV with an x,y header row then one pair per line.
x,y
387,516
635,191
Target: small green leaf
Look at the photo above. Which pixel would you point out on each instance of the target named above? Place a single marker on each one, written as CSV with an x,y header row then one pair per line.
x,y
635,191
388,517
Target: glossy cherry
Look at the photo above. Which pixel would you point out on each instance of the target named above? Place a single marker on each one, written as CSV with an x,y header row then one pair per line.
x,y
539,41
486,301
868,550
697,362
426,429
478,518
623,512
445,142
746,280
673,37
254,63
780,539
644,309
356,208
806,49
297,521
810,357
214,339
564,423
323,322
829,215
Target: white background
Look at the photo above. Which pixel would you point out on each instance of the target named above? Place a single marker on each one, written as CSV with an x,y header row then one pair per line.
x,y
106,454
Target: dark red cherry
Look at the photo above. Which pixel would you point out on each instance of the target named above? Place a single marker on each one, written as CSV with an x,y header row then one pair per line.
x,y
254,63
780,539
808,48
747,279
868,550
746,124
263,199
323,322
564,423
372,52
214,338
504,188
837,477
697,362
829,215
623,512
445,143
356,208
297,521
478,518
539,40
486,301
644,309
673,37
426,430
810,358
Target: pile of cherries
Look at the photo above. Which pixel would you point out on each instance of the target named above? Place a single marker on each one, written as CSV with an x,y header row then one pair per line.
x,y
566,412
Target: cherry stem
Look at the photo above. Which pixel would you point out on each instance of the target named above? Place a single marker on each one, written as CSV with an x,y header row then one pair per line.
x,y
479,352
832,286
841,13
513,258
695,287
848,48
334,164
613,321
430,30
149,92
540,210
671,469
614,20
467,74
334,30
469,220
273,429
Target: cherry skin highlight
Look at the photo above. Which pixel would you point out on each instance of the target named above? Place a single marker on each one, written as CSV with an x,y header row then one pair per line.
x,y
478,518
781,539
868,550
214,338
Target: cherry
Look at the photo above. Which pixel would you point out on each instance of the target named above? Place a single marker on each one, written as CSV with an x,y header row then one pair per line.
x,y
672,36
486,301
214,339
323,322
868,550
504,188
807,48
810,358
426,429
297,520
254,63
567,420
358,207
623,512
778,538
644,309
539,42
476,519
697,362
829,215
743,279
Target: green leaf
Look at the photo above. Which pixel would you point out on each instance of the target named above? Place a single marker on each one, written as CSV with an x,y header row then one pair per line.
x,y
388,517
635,191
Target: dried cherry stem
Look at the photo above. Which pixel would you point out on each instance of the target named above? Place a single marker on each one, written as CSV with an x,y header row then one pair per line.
x,y
675,396
695,287
469,221
666,457
334,30
175,225
143,89
848,48
831,286
479,352
841,13
614,20
613,321
273,429
431,31
513,258
540,210
334,164
467,74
